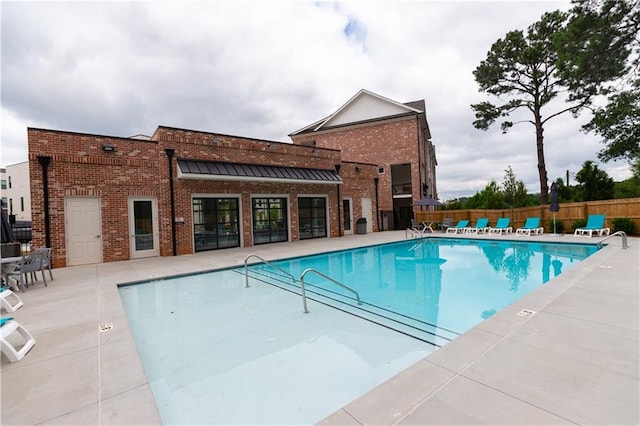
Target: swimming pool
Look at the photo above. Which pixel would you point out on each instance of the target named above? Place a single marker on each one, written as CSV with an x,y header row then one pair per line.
x,y
217,352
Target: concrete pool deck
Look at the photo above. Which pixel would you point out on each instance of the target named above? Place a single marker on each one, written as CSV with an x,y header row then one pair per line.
x,y
575,360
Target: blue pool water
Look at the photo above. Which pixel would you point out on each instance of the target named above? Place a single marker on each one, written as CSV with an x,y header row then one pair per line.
x,y
217,352
443,287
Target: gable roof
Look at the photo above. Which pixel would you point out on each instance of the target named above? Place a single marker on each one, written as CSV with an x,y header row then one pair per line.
x,y
363,106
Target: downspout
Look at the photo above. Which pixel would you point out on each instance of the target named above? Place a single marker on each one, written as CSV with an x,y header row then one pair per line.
x,y
420,151
337,166
375,180
44,162
170,152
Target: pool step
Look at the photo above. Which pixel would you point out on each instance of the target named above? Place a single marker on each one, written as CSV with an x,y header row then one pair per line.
x,y
409,326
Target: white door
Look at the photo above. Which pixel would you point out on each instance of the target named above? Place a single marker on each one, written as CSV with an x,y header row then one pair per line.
x,y
367,214
83,224
143,227
348,215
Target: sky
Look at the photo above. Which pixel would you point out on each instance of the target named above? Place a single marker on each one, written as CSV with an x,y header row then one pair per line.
x,y
264,69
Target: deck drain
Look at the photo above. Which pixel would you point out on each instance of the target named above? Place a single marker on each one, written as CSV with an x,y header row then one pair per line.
x,y
108,326
526,313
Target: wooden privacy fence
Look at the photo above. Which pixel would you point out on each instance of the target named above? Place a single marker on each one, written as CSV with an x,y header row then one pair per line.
x,y
568,213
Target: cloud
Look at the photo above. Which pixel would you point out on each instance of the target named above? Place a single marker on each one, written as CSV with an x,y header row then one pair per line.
x,y
266,69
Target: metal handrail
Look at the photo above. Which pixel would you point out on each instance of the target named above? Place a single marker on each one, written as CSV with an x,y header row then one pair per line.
x,y
246,268
621,233
414,233
304,296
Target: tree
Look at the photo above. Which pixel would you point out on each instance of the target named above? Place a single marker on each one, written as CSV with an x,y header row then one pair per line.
x,y
635,168
566,193
618,123
630,188
588,52
596,57
489,198
513,189
521,72
594,184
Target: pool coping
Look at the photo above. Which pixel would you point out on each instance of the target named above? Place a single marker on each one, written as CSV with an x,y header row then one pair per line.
x,y
78,375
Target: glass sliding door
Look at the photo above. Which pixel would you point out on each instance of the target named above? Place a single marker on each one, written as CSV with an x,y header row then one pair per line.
x,y
216,223
312,217
269,220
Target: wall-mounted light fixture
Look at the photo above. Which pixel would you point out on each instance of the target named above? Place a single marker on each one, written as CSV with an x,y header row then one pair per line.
x,y
216,140
358,169
108,147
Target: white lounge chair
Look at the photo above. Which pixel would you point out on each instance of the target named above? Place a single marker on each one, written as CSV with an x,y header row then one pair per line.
x,y
481,226
459,227
531,226
595,224
502,225
10,301
7,328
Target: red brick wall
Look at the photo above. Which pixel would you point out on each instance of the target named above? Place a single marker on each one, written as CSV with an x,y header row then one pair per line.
x,y
359,184
384,143
80,167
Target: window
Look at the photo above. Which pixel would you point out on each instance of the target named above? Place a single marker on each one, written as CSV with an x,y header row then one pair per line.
x,y
215,223
312,217
21,204
269,220
4,184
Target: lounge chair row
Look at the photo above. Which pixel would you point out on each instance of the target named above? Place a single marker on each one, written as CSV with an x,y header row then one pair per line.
x,y
595,226
531,226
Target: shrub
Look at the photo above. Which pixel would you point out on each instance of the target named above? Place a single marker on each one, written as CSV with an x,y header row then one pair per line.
x,y
559,227
580,223
623,224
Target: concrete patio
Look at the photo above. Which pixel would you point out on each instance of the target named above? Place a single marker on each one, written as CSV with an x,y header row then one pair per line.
x,y
575,360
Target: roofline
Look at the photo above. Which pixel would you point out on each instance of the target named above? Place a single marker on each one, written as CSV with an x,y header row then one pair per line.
x,y
318,124
88,134
359,123
220,134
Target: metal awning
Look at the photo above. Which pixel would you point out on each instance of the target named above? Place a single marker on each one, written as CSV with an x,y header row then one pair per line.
x,y
217,170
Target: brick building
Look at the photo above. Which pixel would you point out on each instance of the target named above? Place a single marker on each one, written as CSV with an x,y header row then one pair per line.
x,y
393,136
99,198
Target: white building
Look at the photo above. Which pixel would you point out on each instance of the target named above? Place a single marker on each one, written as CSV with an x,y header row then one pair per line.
x,y
16,191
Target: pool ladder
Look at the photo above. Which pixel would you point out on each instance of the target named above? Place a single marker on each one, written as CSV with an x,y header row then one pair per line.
x,y
301,280
621,233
